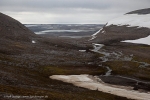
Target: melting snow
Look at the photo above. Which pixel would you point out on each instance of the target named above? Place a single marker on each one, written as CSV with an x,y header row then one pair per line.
x,y
140,41
97,47
33,41
94,83
82,50
131,20
103,32
94,35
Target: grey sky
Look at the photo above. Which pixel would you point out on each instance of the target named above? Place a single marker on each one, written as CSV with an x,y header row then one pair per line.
x,y
69,11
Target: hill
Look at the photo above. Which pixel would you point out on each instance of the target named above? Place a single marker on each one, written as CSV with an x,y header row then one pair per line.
x,y
130,26
11,29
129,35
28,60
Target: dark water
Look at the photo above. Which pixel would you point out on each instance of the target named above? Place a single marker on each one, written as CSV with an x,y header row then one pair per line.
x,y
64,29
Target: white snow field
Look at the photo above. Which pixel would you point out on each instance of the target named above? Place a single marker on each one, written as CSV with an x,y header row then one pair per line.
x,y
133,20
145,40
94,83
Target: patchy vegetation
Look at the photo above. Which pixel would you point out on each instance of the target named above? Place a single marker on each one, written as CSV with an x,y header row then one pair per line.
x,y
25,67
130,69
18,80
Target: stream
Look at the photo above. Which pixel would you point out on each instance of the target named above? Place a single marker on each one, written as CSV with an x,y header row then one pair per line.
x,y
108,83
116,56
107,56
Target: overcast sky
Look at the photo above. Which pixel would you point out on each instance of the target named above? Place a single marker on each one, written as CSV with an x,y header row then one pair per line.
x,y
69,11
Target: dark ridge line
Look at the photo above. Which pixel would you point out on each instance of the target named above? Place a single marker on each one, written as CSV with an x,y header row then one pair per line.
x,y
141,11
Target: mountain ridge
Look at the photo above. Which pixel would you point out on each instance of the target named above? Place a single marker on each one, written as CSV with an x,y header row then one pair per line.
x,y
126,27
141,11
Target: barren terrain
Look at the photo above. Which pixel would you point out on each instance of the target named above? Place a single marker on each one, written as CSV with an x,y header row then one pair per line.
x,y
27,60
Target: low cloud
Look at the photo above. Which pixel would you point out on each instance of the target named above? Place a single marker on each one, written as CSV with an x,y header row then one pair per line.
x,y
69,11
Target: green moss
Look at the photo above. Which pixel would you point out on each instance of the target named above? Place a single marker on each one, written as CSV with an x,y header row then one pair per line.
x,y
129,68
141,59
54,70
37,82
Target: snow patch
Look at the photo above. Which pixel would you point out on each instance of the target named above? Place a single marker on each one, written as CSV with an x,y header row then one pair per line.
x,y
82,50
33,41
145,40
131,20
97,47
72,78
103,32
94,83
94,35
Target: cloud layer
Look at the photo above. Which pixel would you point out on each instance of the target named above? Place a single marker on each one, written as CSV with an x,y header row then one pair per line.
x,y
69,11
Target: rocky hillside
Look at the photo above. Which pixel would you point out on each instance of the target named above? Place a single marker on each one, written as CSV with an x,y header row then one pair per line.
x,y
27,61
14,30
130,26
15,38
26,65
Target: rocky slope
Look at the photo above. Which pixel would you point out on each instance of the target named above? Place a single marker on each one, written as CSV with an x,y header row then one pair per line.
x,y
134,25
130,26
14,37
27,61
14,30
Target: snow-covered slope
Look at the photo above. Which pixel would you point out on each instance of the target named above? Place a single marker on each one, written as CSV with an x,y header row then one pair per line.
x,y
132,20
140,41
130,26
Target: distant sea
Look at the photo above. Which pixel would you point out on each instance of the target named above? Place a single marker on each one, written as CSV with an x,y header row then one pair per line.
x,y
65,30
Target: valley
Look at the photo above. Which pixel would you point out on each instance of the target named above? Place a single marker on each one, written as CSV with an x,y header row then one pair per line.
x,y
74,61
